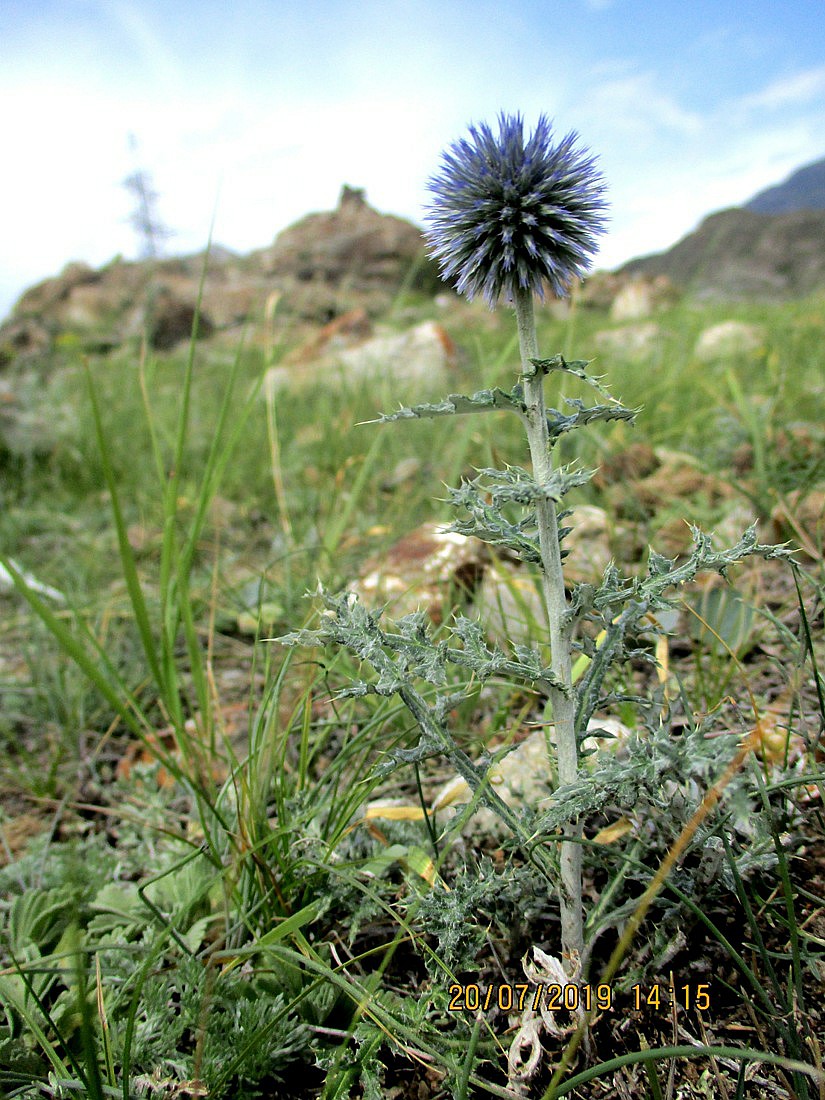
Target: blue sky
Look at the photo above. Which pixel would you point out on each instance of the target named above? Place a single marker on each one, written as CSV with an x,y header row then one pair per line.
x,y
257,111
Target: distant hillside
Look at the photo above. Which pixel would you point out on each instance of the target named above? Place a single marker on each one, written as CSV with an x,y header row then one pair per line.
x,y
804,190
772,247
736,254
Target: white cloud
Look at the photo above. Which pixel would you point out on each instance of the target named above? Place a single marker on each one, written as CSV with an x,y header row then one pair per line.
x,y
634,106
796,90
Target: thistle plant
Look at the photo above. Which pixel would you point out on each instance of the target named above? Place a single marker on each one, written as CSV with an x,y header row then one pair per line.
x,y
508,218
511,219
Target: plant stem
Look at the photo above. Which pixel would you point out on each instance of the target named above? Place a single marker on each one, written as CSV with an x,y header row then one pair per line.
x,y
555,603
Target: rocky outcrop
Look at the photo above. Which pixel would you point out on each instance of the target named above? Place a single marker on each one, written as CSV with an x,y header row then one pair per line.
x,y
325,265
349,253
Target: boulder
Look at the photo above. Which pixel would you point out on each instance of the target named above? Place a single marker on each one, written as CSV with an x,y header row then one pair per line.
x,y
349,330
642,296
509,606
44,296
24,338
728,340
31,423
598,291
630,341
419,354
421,572
171,320
524,777
508,601
353,243
422,352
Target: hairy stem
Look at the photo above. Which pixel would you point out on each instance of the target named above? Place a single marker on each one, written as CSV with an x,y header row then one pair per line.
x,y
555,603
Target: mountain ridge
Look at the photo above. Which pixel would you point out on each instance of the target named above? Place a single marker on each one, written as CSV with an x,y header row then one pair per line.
x,y
804,189
771,247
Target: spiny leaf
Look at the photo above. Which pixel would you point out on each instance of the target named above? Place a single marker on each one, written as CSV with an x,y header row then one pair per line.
x,y
515,485
457,403
558,423
487,524
577,368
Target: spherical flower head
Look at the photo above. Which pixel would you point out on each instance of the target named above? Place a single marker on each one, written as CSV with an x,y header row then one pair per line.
x,y
509,215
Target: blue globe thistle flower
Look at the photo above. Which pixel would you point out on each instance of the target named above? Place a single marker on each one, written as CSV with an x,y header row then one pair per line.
x,y
510,215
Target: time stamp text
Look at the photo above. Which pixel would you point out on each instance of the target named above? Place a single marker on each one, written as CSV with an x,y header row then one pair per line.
x,y
519,996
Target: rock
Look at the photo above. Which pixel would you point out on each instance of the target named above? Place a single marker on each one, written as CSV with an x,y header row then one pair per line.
x,y
171,320
677,477
421,571
738,254
422,352
353,241
729,339
350,329
588,544
351,258
419,354
509,606
23,339
326,262
508,601
640,297
631,463
632,341
598,291
523,777
32,421
44,296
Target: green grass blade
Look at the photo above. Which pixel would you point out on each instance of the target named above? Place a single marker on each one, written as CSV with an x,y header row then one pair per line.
x,y
92,1076
119,699
660,1054
336,528
127,557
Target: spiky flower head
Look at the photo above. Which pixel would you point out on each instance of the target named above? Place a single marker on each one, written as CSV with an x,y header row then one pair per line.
x,y
511,215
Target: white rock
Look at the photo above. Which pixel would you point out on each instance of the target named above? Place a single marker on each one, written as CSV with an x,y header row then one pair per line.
x,y
523,777
641,296
421,353
629,340
728,339
634,300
